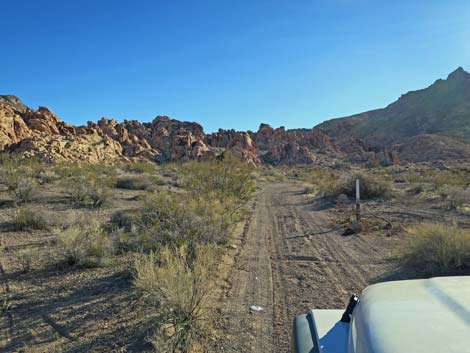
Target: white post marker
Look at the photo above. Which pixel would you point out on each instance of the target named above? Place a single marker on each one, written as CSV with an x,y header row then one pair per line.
x,y
358,202
358,192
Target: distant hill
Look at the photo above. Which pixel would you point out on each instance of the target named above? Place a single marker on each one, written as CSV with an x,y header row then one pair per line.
x,y
432,123
425,125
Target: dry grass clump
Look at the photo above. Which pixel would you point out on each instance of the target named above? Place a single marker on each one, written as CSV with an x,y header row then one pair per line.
x,y
456,196
179,288
84,244
371,187
322,181
29,219
437,248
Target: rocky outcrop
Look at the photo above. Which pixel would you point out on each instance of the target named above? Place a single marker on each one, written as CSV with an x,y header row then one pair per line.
x,y
13,128
88,148
424,125
281,146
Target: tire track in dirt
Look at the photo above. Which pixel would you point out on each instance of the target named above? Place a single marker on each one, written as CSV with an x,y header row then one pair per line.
x,y
286,271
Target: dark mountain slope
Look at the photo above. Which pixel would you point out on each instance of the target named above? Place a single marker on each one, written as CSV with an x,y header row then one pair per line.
x,y
440,113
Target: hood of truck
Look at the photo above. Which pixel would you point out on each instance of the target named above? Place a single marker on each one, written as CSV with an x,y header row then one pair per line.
x,y
430,315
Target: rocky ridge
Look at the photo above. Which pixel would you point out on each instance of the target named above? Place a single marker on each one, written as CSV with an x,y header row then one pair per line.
x,y
41,133
425,125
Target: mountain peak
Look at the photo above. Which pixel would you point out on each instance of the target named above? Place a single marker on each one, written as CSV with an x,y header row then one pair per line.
x,y
459,73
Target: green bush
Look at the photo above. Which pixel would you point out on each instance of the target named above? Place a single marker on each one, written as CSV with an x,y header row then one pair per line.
x,y
29,219
179,290
437,248
226,186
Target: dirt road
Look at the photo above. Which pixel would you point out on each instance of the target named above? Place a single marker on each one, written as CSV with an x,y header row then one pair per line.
x,y
288,262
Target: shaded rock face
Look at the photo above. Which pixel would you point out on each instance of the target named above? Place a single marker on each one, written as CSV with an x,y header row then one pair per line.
x,y
281,146
420,125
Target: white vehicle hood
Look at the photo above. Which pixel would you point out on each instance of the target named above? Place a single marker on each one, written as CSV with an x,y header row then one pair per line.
x,y
417,316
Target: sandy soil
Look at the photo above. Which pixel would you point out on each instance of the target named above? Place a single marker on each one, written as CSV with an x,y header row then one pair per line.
x,y
290,257
290,261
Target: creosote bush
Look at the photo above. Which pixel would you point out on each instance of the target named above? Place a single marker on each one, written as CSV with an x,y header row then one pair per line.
x,y
137,182
29,219
456,196
371,187
437,248
87,189
441,178
165,219
179,289
225,184
322,181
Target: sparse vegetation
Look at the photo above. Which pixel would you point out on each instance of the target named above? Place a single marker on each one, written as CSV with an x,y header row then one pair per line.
x,y
440,178
437,248
87,189
29,219
322,181
84,244
456,196
169,226
179,289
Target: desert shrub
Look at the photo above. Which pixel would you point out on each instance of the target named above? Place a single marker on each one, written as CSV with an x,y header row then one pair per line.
x,y
26,257
179,290
322,181
85,244
225,184
170,220
47,176
29,219
309,190
25,190
370,187
456,196
87,189
441,178
18,180
131,182
124,219
416,189
140,167
437,248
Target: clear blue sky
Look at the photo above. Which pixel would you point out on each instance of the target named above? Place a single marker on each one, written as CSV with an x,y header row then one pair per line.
x,y
229,64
